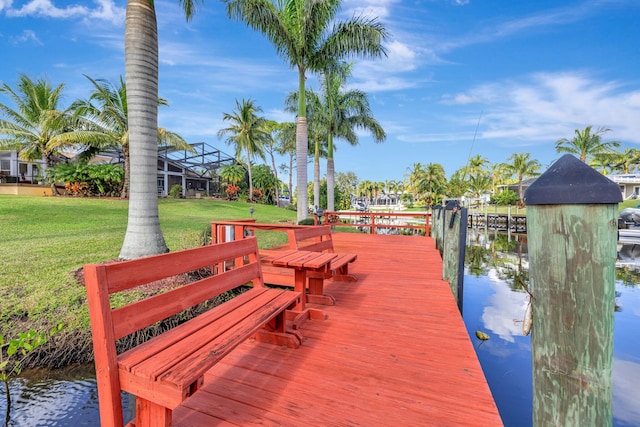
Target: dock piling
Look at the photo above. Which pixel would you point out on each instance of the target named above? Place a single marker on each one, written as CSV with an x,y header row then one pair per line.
x,y
572,222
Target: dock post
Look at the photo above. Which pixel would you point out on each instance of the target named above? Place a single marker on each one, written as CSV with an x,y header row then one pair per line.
x,y
436,226
454,242
572,215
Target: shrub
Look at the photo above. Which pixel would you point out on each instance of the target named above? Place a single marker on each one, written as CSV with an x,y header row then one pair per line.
x,y
232,191
175,191
506,197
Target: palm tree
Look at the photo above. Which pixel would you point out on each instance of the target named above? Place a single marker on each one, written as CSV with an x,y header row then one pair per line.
x,y
344,112
247,132
432,182
522,166
232,173
317,133
299,30
35,121
496,171
143,236
287,146
476,165
107,126
479,184
585,143
626,161
413,177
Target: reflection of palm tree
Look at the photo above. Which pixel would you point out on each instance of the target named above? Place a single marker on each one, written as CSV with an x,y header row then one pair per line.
x,y
477,260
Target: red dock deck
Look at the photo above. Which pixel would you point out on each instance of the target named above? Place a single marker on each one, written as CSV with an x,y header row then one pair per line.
x,y
394,351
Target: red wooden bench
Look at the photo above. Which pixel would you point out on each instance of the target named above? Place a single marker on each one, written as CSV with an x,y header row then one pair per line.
x,y
168,368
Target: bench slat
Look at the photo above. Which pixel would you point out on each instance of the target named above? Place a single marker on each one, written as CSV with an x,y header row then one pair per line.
x,y
120,275
209,331
145,350
138,315
199,362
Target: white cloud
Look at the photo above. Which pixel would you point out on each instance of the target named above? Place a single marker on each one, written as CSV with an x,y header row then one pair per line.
x,y
548,106
106,10
368,8
25,37
45,8
5,4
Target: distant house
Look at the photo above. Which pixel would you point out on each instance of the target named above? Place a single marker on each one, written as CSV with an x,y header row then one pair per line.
x,y
195,172
15,170
516,187
629,185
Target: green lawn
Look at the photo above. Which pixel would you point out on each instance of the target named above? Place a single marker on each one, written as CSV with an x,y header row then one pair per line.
x,y
43,240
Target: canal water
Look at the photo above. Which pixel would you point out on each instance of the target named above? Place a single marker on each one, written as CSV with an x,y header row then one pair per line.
x,y
494,302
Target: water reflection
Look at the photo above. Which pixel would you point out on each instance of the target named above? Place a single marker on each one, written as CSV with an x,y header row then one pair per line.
x,y
495,301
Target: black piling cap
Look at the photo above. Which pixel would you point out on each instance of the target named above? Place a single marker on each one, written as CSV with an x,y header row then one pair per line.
x,y
569,181
451,205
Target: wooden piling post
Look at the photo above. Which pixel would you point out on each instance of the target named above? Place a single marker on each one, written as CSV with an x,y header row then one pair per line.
x,y
572,213
454,248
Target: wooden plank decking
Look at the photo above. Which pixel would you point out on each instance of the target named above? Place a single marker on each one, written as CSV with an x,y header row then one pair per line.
x,y
394,351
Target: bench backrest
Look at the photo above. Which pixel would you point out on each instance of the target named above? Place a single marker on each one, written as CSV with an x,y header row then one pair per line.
x,y
316,239
103,280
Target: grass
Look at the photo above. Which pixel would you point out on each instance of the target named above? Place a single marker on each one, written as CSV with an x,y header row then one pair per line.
x,y
44,240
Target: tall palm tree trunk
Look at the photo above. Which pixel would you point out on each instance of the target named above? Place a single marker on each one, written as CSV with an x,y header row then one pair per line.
x,y
127,173
316,176
250,177
301,167
330,176
144,236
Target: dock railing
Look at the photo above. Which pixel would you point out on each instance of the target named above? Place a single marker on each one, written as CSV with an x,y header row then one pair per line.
x,y
377,221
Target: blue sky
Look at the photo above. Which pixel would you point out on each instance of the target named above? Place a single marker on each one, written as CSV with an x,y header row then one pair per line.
x,y
462,77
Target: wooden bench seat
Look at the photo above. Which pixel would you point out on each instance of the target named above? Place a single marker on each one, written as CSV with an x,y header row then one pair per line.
x,y
318,239
165,370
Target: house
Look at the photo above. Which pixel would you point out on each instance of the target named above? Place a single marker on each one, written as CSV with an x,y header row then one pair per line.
x,y
629,185
15,170
195,172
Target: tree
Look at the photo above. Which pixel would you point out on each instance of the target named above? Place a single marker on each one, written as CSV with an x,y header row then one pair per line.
x,y
347,183
231,173
625,161
413,177
476,165
585,143
317,133
345,111
432,182
36,119
247,132
497,172
522,166
143,236
300,33
287,146
271,146
106,125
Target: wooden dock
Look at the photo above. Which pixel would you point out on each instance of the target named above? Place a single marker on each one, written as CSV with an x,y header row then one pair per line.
x,y
394,351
